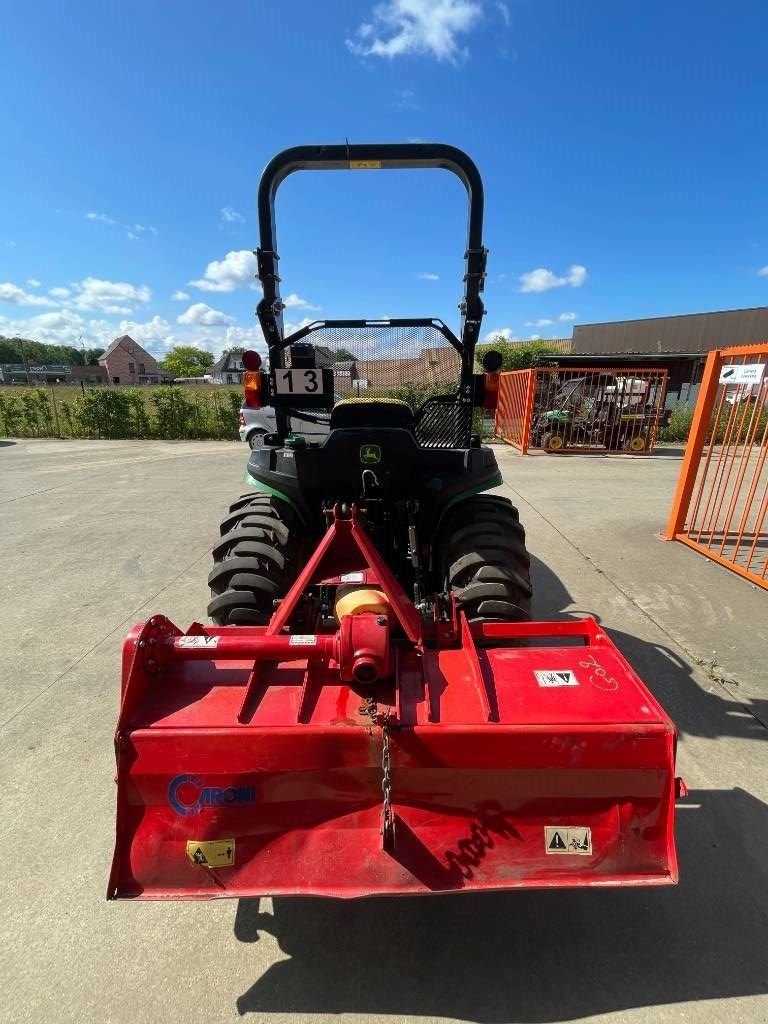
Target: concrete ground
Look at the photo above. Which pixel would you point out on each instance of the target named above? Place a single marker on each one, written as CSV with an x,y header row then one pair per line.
x,y
97,535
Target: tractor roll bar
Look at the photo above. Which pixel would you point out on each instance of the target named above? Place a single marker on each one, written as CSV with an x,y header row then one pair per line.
x,y
370,157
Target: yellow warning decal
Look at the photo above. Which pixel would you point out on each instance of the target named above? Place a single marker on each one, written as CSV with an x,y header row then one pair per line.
x,y
212,853
365,165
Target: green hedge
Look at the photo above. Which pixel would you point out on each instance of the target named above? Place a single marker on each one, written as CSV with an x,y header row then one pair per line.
x,y
158,412
679,425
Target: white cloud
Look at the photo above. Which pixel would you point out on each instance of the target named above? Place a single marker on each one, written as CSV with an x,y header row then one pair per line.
x,y
538,323
133,231
542,280
423,27
137,230
101,296
230,216
33,282
245,337
202,314
294,301
157,335
62,327
60,293
428,277
565,317
405,99
100,217
154,331
505,333
18,297
238,268
763,272
180,296
503,10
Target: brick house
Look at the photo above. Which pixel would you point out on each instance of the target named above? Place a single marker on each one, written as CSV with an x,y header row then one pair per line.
x,y
126,362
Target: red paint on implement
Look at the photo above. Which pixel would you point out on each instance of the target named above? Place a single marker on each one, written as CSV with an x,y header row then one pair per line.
x,y
483,757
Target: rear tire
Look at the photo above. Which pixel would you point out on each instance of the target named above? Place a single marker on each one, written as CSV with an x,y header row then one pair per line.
x,y
256,560
484,560
256,438
552,442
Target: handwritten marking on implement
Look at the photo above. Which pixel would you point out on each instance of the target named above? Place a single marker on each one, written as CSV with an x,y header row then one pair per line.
x,y
472,850
599,676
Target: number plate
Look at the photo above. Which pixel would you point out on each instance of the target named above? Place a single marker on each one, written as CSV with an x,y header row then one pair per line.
x,y
298,382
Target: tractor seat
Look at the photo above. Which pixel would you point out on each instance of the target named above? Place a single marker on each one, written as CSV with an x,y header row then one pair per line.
x,y
372,412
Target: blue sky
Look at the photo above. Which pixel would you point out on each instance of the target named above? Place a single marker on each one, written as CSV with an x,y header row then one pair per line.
x,y
623,149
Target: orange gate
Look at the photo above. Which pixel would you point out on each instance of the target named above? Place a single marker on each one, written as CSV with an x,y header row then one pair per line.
x,y
581,409
721,500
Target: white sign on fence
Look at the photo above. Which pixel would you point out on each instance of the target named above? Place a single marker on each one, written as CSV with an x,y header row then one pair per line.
x,y
742,373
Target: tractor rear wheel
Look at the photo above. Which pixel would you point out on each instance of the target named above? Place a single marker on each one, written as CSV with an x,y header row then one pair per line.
x,y
484,560
255,562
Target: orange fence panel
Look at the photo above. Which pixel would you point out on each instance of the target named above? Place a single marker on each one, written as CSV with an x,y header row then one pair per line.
x,y
514,407
581,409
721,501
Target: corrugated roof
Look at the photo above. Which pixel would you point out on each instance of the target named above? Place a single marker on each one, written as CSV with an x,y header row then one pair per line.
x,y
687,333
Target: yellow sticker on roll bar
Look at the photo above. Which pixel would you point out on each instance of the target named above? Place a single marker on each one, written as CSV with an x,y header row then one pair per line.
x,y
365,165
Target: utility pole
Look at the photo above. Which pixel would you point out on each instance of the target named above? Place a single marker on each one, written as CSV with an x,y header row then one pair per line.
x,y
82,348
24,359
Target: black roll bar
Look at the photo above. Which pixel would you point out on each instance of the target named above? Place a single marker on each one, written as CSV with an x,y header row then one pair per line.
x,y
371,157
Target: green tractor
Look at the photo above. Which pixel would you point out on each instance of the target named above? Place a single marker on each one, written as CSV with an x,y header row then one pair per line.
x,y
399,396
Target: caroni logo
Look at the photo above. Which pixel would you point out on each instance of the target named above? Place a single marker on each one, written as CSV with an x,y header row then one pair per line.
x,y
188,795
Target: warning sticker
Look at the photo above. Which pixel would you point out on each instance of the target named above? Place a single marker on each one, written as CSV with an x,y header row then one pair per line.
x,y
197,641
568,839
302,640
352,577
556,677
212,853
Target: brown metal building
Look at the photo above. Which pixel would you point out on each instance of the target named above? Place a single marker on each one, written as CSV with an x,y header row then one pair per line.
x,y
678,344
692,333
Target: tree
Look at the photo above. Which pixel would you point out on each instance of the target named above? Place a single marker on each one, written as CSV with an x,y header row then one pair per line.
x,y
515,355
343,355
188,361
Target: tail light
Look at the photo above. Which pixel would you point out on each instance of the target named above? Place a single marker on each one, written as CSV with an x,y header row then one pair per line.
x,y
242,419
491,395
252,389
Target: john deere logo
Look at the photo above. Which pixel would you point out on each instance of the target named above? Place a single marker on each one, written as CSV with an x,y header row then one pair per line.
x,y
370,454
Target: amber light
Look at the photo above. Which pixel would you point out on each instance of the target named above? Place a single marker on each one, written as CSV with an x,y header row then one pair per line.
x,y
252,388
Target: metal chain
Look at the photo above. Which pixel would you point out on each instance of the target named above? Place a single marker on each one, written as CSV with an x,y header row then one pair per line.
x,y
386,780
371,710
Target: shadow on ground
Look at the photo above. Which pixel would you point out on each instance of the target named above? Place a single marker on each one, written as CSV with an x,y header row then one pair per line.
x,y
535,956
547,956
6,444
